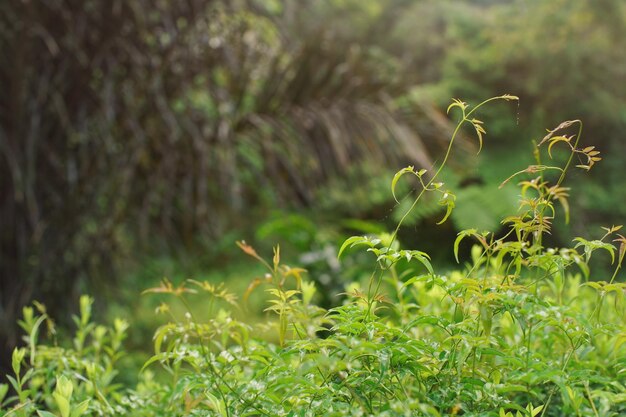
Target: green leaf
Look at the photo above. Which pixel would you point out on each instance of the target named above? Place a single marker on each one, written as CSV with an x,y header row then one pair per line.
x,y
63,403
64,387
16,359
32,338
4,388
85,309
535,410
591,245
419,278
13,383
45,414
362,240
462,235
153,359
448,199
216,404
397,176
594,284
80,409
424,259
554,140
351,241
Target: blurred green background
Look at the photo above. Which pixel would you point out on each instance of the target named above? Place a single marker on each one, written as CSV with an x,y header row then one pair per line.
x,y
140,139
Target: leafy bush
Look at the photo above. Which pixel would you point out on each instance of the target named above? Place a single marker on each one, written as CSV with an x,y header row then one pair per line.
x,y
523,329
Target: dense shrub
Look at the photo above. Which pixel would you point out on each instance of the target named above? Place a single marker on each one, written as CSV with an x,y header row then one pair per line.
x,y
522,329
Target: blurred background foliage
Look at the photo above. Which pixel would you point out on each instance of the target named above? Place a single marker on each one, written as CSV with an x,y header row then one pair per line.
x,y
142,138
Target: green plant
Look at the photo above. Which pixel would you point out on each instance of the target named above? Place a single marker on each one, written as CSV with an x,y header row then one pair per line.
x,y
68,379
521,330
493,313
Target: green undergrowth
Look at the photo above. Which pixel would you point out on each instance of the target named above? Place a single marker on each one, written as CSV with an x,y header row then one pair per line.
x,y
520,328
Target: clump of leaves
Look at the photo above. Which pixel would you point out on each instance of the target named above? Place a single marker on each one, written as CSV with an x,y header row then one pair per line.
x,y
517,326
67,380
522,329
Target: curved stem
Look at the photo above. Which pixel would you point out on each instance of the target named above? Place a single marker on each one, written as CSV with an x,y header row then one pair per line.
x,y
430,182
426,187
